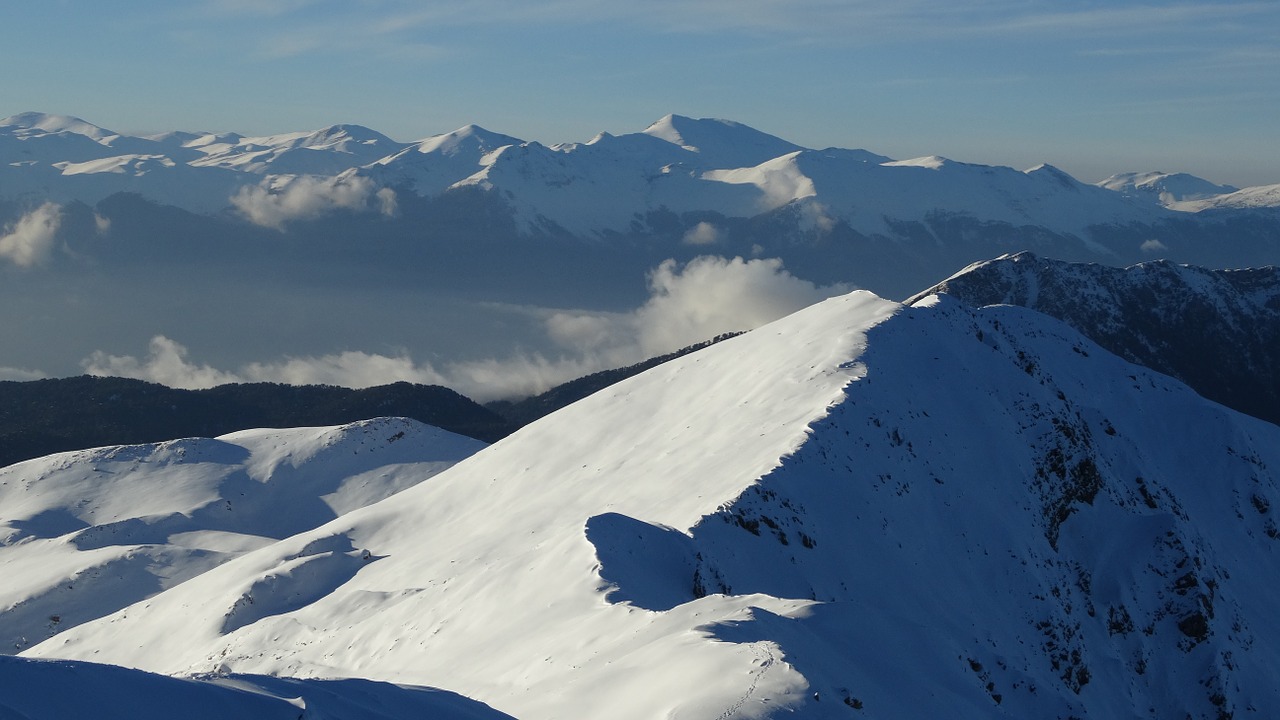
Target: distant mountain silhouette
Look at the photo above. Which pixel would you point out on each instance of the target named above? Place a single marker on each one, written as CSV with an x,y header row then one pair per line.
x,y
41,417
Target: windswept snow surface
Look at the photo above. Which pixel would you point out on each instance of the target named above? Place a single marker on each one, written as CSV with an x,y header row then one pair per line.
x,y
928,511
83,534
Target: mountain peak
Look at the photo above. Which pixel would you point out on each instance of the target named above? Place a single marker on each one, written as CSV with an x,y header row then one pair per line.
x,y
1165,187
56,124
470,135
348,133
1063,178
724,143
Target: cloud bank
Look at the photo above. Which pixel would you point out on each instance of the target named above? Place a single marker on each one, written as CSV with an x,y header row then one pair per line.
x,y
687,304
30,240
280,199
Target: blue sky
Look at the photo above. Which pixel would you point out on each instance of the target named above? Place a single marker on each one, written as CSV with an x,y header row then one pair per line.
x,y
1092,87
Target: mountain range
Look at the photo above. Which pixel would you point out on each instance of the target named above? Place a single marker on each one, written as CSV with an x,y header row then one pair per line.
x,y
592,189
867,508
712,185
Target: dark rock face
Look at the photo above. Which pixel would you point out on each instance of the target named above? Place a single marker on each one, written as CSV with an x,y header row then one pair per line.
x,y
1216,330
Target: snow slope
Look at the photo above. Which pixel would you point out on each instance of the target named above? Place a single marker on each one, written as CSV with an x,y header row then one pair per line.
x,y
83,534
928,511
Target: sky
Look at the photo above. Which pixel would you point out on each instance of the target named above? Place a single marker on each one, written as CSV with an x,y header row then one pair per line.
x,y
1094,88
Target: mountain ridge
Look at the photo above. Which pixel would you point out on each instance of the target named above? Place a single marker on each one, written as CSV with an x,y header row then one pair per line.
x,y
1216,330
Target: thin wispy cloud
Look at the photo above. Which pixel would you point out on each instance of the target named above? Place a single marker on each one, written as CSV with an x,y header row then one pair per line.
x,y
254,8
424,32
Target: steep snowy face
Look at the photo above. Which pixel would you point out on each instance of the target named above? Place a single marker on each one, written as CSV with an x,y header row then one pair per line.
x,y
1216,330
928,511
83,534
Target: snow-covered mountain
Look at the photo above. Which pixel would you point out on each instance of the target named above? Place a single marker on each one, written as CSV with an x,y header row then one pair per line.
x,y
1216,330
1167,189
433,165
926,511
90,532
677,164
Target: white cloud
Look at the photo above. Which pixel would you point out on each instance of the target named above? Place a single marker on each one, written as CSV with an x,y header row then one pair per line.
x,y
102,224
30,240
166,363
712,295
519,376
704,233
1153,246
347,369
387,203
20,374
279,199
687,304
